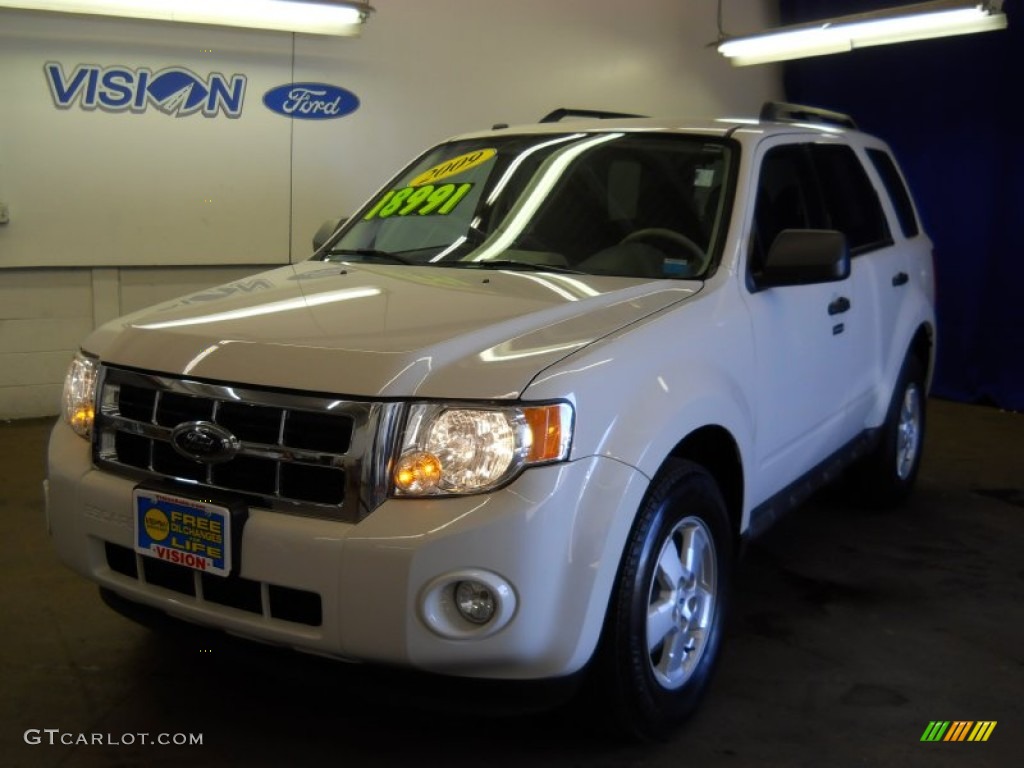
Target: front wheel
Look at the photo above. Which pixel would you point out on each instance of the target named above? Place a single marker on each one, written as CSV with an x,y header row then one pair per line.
x,y
668,607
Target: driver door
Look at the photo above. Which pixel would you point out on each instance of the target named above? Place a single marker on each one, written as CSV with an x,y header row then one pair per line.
x,y
804,350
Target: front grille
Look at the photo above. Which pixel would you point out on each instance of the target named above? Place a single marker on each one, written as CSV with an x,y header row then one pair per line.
x,y
284,603
295,452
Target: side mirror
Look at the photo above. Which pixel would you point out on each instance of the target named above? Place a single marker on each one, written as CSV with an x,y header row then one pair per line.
x,y
327,229
804,257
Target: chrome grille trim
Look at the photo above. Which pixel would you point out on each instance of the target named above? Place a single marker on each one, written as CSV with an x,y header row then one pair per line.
x,y
354,474
278,453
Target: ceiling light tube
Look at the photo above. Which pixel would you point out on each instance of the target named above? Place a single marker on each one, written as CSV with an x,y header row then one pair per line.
x,y
324,17
920,21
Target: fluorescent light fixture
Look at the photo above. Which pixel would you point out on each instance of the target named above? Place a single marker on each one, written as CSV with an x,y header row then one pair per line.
x,y
323,17
919,21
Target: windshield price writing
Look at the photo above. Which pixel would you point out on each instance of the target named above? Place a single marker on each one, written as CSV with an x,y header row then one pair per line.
x,y
424,201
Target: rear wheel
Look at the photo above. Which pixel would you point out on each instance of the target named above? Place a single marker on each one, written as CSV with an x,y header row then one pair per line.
x,y
667,612
887,475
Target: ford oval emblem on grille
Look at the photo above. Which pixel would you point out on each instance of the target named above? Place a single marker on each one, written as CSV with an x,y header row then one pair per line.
x,y
204,441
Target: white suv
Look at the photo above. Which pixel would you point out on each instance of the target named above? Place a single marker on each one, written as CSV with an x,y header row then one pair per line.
x,y
515,416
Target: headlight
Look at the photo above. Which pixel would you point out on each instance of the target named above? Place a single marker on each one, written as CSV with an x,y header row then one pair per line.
x,y
448,449
80,394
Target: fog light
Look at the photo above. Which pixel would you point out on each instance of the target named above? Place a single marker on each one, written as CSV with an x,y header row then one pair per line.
x,y
475,601
470,604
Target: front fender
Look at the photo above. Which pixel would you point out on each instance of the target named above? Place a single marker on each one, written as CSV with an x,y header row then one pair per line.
x,y
640,392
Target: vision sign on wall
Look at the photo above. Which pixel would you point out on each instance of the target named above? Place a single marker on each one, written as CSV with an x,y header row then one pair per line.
x,y
174,91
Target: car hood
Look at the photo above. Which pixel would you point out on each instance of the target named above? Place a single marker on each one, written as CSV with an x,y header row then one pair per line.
x,y
383,331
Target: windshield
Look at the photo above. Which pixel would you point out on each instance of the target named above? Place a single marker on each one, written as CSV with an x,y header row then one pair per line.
x,y
629,204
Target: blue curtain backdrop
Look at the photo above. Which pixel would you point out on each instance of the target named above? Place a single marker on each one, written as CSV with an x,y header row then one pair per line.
x,y
952,111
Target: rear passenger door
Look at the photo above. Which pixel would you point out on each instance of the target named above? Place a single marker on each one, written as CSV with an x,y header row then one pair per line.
x,y
852,205
889,274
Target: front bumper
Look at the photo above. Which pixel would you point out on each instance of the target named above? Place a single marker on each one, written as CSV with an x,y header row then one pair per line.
x,y
555,535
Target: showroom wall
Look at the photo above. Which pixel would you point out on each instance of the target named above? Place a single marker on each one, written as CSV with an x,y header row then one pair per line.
x,y
139,161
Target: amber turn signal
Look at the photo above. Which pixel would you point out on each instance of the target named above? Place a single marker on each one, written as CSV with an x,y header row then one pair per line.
x,y
546,427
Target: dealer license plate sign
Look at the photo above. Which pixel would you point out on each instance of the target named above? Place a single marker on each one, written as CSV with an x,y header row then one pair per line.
x,y
182,531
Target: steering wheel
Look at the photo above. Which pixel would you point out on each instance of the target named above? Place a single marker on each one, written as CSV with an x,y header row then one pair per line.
x,y
674,238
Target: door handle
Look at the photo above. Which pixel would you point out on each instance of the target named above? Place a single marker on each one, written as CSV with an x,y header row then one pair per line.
x,y
838,306
900,278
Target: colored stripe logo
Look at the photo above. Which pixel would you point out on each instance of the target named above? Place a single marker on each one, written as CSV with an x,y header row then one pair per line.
x,y
958,730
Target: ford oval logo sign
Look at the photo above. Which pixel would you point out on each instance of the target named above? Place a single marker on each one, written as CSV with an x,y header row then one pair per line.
x,y
204,441
311,101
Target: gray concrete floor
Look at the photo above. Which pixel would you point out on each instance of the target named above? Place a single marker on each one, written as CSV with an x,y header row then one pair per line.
x,y
851,630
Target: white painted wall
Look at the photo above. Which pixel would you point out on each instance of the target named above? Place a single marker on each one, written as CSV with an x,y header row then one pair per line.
x,y
113,211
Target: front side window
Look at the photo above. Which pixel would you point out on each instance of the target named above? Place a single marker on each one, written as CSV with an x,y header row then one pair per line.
x,y
631,205
787,198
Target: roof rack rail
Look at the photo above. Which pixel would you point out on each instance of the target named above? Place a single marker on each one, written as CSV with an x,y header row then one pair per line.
x,y
782,112
563,112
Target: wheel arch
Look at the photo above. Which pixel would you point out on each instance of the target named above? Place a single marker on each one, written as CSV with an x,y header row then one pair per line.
x,y
922,346
714,448
917,341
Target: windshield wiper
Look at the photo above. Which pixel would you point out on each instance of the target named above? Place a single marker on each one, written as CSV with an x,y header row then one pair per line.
x,y
370,253
530,265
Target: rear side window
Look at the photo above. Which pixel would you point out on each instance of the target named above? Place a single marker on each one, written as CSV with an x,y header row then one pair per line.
x,y
893,183
851,204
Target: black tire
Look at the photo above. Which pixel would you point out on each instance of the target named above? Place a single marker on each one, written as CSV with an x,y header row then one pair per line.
x,y
651,689
887,475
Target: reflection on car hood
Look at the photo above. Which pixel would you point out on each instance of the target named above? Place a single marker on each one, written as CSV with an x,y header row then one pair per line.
x,y
383,330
